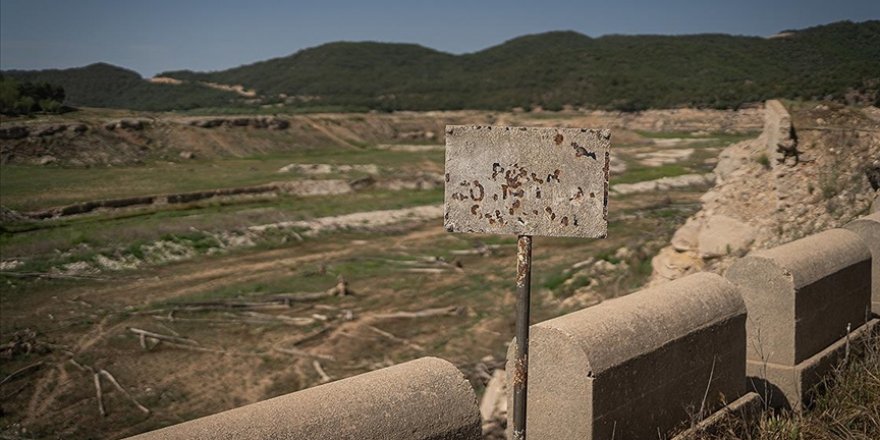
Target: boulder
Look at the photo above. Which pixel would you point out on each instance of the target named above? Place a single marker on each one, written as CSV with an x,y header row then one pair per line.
x,y
78,128
686,237
722,235
49,130
670,265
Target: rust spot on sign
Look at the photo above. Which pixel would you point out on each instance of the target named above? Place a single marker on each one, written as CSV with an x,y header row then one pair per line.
x,y
482,192
558,138
580,151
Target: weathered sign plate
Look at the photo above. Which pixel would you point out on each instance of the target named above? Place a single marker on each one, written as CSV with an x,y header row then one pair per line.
x,y
527,180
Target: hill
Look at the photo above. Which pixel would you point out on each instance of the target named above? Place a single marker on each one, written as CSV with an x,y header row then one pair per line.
x,y
838,61
105,85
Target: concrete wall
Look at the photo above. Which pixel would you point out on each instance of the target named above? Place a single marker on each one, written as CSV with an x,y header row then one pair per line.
x,y
778,130
801,298
637,365
424,399
868,228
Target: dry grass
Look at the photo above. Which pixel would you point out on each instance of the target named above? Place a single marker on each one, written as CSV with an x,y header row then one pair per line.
x,y
847,406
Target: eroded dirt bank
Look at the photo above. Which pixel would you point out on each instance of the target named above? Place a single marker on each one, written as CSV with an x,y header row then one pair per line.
x,y
89,138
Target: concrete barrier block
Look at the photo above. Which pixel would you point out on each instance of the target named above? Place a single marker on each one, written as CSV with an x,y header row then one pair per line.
x,y
637,365
868,228
424,399
801,296
787,386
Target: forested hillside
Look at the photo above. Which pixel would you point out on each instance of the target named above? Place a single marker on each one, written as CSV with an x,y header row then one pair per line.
x,y
837,61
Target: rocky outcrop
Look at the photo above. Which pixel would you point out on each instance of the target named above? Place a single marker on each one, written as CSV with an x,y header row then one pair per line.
x,y
40,130
326,168
128,124
721,235
271,123
763,197
14,132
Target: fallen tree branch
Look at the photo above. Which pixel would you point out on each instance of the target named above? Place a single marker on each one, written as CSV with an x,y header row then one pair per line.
x,y
122,390
425,270
78,365
302,353
219,305
395,338
213,350
21,371
287,319
161,337
97,380
442,311
262,318
324,377
312,335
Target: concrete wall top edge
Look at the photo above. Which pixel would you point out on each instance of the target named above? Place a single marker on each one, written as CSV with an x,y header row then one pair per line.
x,y
814,257
875,218
624,328
423,399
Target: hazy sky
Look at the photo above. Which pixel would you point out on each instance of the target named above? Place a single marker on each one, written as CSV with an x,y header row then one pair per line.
x,y
156,35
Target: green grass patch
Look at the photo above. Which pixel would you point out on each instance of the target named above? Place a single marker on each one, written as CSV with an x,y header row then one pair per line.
x,y
111,233
714,136
29,187
642,173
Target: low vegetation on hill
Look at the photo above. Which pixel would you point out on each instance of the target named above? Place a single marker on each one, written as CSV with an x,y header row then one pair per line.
x,y
838,61
24,98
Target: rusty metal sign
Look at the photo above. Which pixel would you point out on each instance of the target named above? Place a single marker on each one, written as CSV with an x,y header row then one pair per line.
x,y
527,180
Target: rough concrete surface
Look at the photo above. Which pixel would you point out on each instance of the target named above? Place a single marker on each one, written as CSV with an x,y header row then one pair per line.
x,y
868,228
637,364
424,399
527,180
801,296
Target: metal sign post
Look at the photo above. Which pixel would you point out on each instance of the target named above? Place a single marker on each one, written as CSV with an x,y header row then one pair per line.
x,y
526,181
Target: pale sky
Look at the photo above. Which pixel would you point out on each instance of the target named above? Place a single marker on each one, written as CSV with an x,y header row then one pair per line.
x,y
153,36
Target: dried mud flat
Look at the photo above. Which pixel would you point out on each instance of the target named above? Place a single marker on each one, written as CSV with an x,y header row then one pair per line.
x,y
325,287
